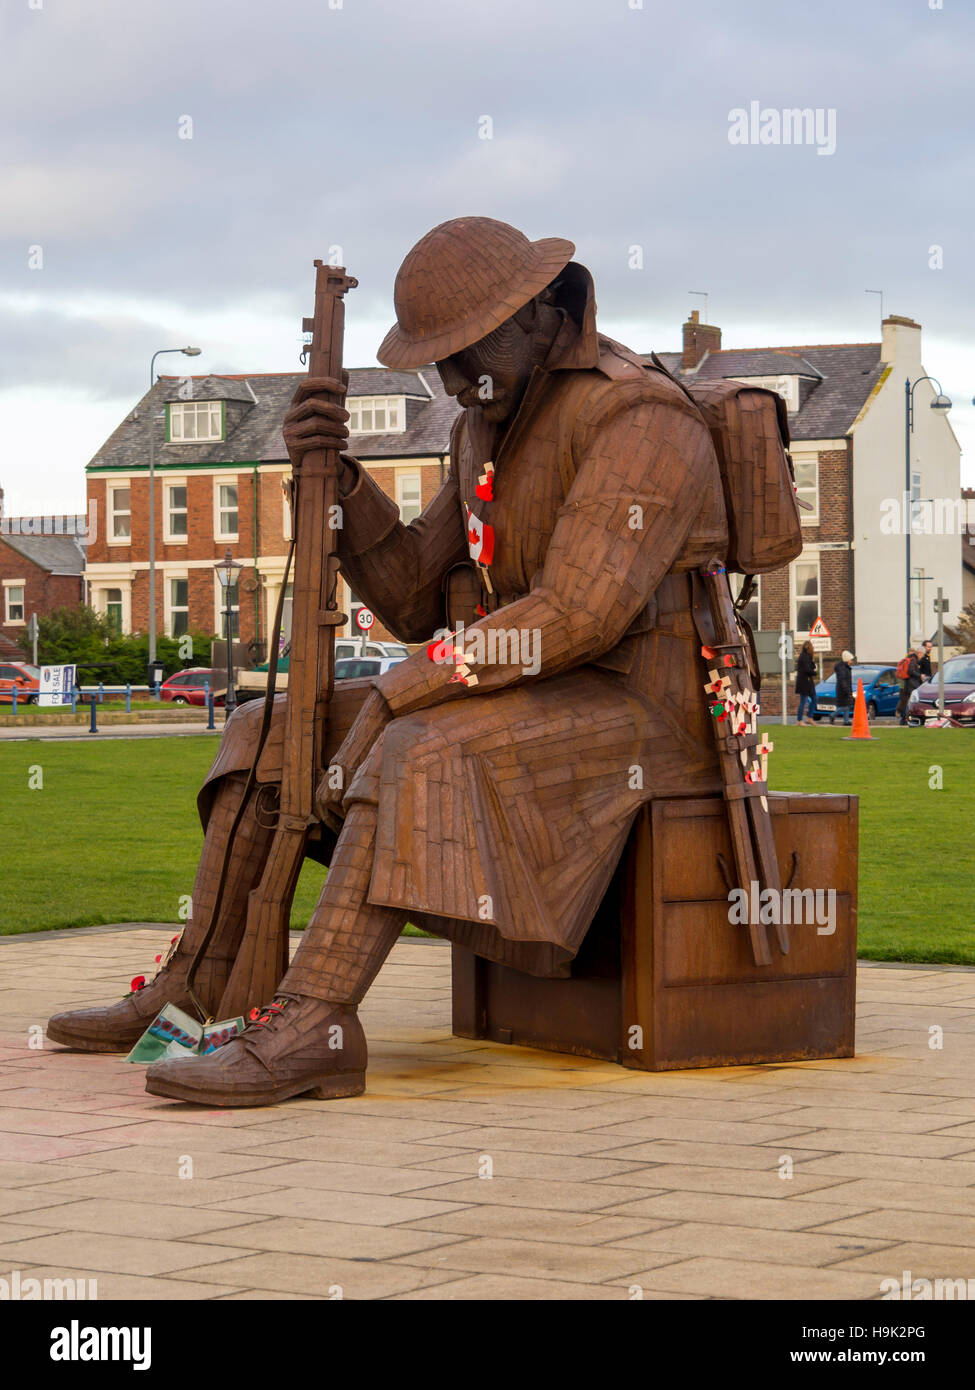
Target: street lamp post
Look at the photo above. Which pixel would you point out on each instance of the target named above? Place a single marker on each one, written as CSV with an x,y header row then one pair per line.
x,y
187,352
940,402
228,570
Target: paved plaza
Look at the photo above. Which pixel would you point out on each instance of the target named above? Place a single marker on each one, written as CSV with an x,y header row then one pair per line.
x,y
478,1171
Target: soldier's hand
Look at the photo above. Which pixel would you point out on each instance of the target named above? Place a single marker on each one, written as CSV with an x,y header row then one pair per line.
x,y
313,421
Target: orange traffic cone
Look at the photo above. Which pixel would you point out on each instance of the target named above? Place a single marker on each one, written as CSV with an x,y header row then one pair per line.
x,y
861,724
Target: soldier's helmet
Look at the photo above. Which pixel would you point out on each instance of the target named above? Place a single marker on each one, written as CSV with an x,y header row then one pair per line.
x,y
460,282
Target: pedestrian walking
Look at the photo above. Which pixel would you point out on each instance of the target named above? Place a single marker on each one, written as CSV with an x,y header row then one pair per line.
x,y
911,675
844,687
806,684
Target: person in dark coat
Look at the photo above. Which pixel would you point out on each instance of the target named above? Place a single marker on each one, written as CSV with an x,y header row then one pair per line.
x,y
844,687
924,664
806,684
915,677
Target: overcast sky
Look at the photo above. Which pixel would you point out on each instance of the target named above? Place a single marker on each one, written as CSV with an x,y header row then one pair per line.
x,y
359,125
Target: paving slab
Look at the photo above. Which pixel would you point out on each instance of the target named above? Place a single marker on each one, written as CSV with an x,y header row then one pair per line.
x,y
604,1184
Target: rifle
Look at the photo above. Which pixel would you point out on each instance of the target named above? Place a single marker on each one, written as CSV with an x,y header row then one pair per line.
x,y
263,956
734,707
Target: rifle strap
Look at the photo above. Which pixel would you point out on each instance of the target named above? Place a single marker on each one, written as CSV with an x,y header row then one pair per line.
x,y
272,673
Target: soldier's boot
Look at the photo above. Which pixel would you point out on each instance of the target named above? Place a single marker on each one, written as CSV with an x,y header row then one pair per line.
x,y
308,1040
118,1027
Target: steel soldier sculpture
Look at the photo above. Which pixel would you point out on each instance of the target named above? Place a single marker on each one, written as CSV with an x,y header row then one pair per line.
x,y
481,796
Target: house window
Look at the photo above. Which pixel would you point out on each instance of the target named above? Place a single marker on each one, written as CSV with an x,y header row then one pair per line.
x,y
226,519
408,496
807,487
113,609
13,594
917,604
805,595
120,513
228,596
376,414
286,509
179,607
915,500
752,611
191,422
176,512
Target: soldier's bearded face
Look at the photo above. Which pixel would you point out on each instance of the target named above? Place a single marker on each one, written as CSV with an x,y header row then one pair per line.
x,y
493,372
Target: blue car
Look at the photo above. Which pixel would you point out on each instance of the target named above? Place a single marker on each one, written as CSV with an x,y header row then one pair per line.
x,y
880,686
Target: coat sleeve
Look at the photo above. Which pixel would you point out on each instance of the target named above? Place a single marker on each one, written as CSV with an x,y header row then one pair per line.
x,y
640,479
399,570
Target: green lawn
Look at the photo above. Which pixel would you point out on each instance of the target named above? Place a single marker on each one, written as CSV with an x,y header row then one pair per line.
x,y
113,834
917,844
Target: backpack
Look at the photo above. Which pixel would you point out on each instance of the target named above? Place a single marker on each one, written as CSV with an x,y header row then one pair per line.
x,y
904,667
764,530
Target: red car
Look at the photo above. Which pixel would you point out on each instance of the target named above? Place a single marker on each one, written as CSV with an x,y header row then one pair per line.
x,y
19,675
959,695
190,687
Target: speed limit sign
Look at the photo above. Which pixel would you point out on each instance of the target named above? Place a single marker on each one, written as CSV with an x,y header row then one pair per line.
x,y
364,619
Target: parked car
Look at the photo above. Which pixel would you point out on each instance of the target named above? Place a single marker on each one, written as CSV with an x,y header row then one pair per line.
x,y
355,667
190,687
251,685
959,694
880,687
352,646
23,677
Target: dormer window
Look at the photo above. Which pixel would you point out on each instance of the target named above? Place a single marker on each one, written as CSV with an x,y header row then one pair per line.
x,y
194,422
785,386
376,414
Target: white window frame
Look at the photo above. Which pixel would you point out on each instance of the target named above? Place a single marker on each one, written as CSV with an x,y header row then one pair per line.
x,y
9,584
803,491
416,479
220,608
808,557
99,599
218,533
756,597
211,412
917,603
285,512
113,512
916,504
170,609
116,589
169,537
356,405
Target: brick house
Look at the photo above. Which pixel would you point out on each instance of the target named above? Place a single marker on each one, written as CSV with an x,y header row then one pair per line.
x,y
846,405
220,462
38,573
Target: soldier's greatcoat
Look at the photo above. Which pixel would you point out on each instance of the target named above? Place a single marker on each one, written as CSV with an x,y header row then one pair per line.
x,y
503,806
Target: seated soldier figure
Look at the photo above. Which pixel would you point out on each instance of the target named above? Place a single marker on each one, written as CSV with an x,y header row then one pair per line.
x,y
486,797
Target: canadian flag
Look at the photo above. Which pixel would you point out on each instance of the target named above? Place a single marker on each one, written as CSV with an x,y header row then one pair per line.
x,y
480,539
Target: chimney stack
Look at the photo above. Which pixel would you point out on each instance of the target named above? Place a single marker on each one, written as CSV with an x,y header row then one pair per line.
x,y
699,340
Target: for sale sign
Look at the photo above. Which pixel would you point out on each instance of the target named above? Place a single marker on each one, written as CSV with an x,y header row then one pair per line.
x,y
57,683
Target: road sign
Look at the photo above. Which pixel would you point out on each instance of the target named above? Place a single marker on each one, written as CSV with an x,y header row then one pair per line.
x,y
819,636
364,619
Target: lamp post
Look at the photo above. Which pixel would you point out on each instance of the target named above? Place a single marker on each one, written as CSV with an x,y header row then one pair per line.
x,y
187,352
228,570
940,402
